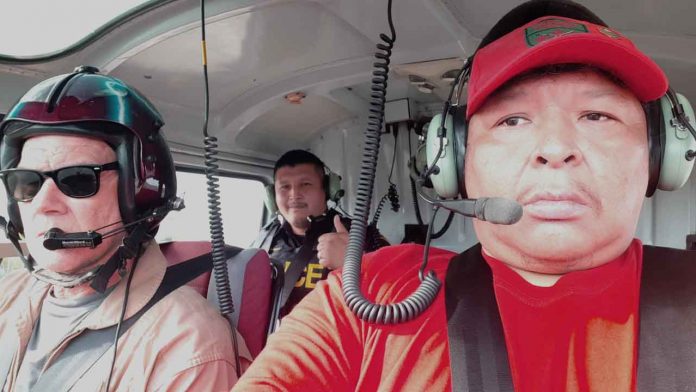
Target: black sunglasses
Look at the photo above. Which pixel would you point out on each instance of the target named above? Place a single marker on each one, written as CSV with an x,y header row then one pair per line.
x,y
74,181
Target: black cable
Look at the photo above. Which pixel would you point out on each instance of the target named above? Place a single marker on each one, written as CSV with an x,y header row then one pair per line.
x,y
414,196
342,211
378,210
416,206
121,317
445,226
395,130
426,292
217,235
428,237
392,193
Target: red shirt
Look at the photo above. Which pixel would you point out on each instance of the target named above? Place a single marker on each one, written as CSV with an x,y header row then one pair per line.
x,y
579,334
322,346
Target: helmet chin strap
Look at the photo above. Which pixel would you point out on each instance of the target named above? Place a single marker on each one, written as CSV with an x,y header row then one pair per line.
x,y
99,276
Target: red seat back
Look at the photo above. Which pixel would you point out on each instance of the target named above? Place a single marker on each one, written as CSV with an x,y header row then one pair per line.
x,y
179,251
251,282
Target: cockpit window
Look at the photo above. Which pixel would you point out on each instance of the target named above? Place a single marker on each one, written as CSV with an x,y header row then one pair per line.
x,y
241,204
35,28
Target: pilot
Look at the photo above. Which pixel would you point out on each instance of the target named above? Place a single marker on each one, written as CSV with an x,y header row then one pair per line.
x,y
84,153
560,119
308,238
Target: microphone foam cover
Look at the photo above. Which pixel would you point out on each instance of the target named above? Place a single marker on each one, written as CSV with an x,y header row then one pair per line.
x,y
502,211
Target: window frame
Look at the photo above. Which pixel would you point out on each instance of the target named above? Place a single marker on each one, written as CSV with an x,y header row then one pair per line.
x,y
195,169
90,38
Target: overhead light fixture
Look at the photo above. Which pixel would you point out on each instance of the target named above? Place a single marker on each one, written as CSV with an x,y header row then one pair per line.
x,y
450,75
426,88
295,97
416,80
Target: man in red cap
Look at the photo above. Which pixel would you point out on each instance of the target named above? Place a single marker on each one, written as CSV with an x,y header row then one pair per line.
x,y
562,118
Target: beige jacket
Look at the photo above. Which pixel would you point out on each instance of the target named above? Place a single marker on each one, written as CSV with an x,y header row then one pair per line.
x,y
180,344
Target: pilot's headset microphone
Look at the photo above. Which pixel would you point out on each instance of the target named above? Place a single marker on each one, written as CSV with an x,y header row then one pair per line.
x,y
672,149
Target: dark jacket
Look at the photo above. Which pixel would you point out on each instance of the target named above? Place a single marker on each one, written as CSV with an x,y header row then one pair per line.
x,y
270,232
299,260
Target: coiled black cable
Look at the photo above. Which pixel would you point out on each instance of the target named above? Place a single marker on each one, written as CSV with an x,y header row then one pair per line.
x,y
392,192
393,196
217,236
378,210
417,302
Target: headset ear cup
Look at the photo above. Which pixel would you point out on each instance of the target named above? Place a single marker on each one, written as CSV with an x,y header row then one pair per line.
x,y
269,199
675,168
332,185
655,125
444,178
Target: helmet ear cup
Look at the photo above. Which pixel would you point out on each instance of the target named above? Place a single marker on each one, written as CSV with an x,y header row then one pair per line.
x,y
448,178
675,168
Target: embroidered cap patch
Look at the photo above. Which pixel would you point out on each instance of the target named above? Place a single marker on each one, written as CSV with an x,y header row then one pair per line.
x,y
550,28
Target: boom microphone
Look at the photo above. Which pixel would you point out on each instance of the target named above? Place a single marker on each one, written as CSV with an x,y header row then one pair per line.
x,y
58,239
496,210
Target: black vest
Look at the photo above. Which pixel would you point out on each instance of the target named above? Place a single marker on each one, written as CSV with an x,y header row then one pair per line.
x,y
667,330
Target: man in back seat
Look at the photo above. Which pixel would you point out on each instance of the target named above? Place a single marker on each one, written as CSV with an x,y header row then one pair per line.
x,y
306,237
570,119
82,155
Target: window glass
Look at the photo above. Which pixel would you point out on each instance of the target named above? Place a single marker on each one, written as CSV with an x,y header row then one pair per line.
x,y
40,27
241,203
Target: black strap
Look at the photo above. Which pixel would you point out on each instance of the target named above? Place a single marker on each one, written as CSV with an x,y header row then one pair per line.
x,y
667,348
318,226
87,348
478,355
265,238
667,337
298,264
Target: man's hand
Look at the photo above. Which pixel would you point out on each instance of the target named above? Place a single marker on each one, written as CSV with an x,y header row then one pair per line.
x,y
331,249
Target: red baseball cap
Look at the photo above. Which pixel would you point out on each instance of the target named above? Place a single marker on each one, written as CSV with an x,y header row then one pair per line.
x,y
558,40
